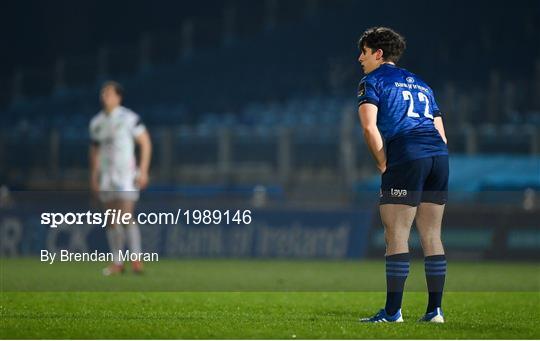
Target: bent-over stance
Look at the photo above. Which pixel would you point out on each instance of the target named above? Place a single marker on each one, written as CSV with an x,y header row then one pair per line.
x,y
404,131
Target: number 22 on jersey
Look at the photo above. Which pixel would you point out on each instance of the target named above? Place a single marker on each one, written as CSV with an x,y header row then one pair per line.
x,y
408,96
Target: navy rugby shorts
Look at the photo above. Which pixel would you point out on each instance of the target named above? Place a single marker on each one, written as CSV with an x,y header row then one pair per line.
x,y
416,181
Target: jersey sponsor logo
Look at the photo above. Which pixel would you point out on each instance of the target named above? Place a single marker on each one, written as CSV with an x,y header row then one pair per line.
x,y
409,79
411,86
398,193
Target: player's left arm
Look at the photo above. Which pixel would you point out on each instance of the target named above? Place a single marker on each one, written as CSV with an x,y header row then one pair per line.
x,y
142,138
145,145
372,135
368,99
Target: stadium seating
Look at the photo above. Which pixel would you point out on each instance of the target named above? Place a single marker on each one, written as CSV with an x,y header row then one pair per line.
x,y
302,75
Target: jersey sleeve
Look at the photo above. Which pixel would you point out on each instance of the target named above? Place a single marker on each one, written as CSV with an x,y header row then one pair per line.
x,y
434,107
367,92
137,127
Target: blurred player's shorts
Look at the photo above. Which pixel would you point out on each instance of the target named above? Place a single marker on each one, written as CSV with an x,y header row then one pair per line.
x,y
118,185
108,196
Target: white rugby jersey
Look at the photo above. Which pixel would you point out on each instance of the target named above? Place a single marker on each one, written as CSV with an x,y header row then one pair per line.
x,y
115,134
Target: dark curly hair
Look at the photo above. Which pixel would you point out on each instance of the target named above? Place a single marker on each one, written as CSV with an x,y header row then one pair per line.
x,y
118,88
389,41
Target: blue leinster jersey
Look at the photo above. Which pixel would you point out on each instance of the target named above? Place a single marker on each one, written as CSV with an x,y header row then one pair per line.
x,y
405,116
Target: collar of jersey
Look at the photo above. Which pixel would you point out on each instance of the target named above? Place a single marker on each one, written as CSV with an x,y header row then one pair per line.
x,y
114,112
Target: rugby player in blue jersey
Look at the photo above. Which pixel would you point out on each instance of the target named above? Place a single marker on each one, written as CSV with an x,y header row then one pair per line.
x,y
404,131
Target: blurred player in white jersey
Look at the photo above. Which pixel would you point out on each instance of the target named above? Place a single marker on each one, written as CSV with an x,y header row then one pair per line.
x,y
114,173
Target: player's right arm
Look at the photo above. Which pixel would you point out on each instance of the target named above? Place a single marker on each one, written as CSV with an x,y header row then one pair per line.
x,y
437,117
440,127
372,135
93,156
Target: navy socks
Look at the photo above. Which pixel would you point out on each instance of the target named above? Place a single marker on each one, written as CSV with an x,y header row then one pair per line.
x,y
397,270
435,267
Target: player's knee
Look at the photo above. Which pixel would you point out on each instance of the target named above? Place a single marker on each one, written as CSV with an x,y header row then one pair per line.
x,y
395,241
431,242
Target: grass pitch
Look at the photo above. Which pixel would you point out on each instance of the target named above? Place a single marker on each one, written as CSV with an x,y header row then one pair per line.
x,y
259,299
